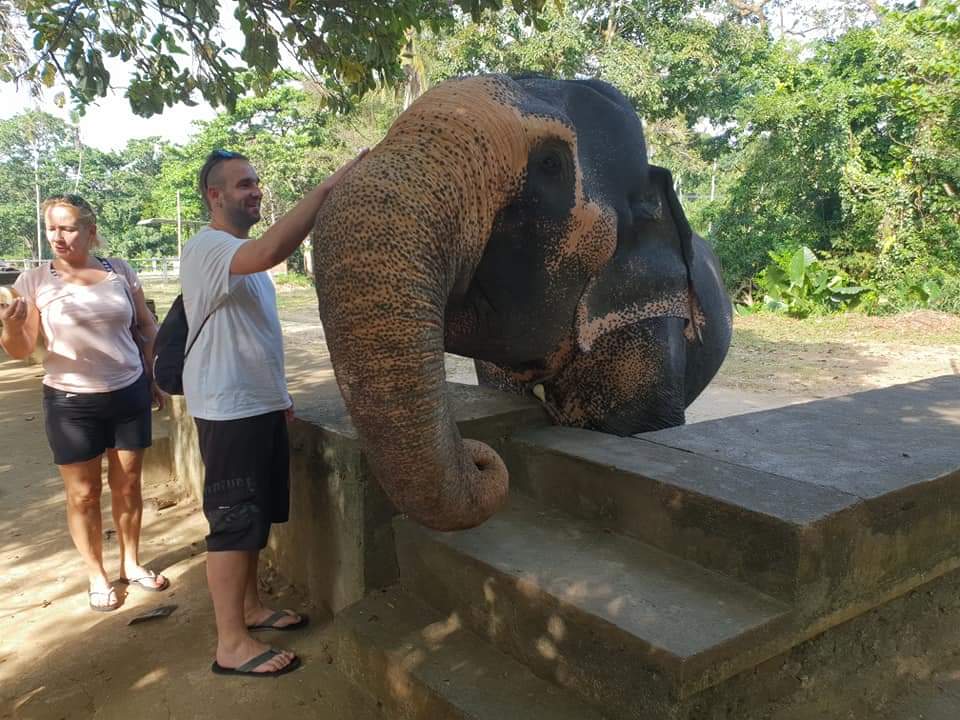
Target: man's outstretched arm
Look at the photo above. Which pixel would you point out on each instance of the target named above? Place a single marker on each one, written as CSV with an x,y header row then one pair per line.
x,y
283,237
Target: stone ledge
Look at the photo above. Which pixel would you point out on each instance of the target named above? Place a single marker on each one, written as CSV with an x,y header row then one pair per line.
x,y
874,512
338,544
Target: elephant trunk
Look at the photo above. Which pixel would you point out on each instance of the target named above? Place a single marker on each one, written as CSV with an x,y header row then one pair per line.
x,y
394,240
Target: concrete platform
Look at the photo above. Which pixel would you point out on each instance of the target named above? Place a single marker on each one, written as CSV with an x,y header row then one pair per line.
x,y
667,577
863,504
600,613
867,444
425,666
749,566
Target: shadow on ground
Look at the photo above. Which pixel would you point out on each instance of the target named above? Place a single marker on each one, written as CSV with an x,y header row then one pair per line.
x,y
60,660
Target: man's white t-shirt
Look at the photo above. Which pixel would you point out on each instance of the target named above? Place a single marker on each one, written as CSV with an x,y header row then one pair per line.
x,y
235,368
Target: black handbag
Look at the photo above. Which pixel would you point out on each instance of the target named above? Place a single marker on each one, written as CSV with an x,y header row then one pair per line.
x,y
170,348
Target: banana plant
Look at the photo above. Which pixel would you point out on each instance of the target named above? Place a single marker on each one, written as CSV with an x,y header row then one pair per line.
x,y
800,285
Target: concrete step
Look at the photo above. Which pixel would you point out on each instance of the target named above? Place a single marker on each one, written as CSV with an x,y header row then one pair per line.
x,y
741,522
626,626
424,666
834,506
158,458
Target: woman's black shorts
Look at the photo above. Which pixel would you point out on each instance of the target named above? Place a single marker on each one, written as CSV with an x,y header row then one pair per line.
x,y
80,426
246,484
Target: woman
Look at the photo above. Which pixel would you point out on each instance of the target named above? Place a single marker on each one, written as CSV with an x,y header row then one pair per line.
x,y
97,391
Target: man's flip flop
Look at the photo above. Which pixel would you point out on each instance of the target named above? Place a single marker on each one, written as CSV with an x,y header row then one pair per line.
x,y
247,667
147,582
103,593
268,624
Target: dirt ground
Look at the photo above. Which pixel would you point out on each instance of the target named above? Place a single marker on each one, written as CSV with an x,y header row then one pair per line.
x,y
838,355
59,660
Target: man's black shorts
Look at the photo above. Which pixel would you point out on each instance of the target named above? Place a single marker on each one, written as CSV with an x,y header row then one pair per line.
x,y
80,426
246,485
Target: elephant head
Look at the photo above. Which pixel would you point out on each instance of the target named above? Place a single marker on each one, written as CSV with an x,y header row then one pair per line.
x,y
516,221
651,330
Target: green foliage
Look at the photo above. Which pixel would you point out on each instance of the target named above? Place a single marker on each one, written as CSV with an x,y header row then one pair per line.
x,y
561,48
177,50
855,151
799,284
42,156
293,280
37,154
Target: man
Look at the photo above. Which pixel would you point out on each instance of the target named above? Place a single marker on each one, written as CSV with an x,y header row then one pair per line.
x,y
235,388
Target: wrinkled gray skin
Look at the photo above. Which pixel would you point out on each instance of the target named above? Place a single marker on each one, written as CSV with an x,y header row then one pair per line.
x,y
650,362
516,221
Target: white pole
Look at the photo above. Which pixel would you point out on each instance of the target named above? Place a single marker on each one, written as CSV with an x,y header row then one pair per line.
x,y
179,228
79,145
36,188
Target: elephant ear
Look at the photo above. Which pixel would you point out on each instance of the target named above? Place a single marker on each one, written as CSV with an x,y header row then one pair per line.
x,y
662,179
650,274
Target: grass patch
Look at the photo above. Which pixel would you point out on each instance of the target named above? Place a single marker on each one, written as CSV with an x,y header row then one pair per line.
x,y
292,296
922,328
162,294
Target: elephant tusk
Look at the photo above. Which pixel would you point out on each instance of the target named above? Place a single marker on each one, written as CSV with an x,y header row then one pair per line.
x,y
540,393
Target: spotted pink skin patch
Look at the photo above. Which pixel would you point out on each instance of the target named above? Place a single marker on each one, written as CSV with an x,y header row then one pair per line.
x,y
590,330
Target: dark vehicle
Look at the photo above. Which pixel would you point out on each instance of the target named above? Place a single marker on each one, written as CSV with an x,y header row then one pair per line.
x,y
8,272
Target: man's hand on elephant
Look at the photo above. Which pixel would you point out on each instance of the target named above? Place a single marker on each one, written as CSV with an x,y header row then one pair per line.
x,y
290,412
285,235
331,181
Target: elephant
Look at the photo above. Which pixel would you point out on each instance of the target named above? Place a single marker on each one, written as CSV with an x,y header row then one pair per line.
x,y
514,220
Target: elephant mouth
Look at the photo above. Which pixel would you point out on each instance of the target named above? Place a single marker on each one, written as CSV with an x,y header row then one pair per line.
x,y
594,323
484,328
631,380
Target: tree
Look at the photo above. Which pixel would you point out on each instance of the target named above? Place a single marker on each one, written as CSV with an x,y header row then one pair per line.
x,y
291,140
37,158
119,185
854,151
175,48
40,156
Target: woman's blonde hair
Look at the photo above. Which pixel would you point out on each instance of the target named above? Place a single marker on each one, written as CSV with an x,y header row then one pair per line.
x,y
84,211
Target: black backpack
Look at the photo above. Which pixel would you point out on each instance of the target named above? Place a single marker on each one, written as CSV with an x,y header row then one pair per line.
x,y
170,348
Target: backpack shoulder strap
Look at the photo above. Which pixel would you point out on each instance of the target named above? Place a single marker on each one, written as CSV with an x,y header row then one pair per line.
x,y
199,329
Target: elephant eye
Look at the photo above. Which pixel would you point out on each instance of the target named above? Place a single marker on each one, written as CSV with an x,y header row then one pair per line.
x,y
551,165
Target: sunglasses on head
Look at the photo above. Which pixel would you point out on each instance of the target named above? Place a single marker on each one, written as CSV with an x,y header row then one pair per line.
x,y
213,159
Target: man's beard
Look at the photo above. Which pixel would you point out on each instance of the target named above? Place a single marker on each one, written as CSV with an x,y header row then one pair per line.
x,y
241,217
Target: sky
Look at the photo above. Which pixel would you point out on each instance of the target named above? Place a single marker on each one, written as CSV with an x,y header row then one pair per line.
x,y
111,123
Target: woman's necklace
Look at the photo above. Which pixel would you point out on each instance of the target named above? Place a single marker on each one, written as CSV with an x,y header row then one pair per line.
x,y
69,274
